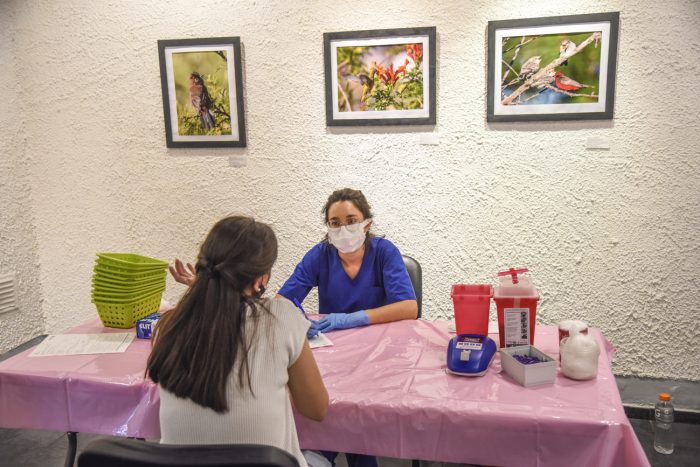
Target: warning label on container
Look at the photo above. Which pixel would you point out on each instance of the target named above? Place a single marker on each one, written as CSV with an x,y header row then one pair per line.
x,y
516,326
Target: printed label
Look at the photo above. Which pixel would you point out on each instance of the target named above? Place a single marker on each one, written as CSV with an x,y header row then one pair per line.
x,y
469,345
517,326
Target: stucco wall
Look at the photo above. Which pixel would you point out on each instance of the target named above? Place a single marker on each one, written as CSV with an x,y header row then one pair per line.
x,y
18,244
610,236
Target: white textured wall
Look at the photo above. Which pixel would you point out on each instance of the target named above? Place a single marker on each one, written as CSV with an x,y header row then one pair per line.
x,y
18,244
610,236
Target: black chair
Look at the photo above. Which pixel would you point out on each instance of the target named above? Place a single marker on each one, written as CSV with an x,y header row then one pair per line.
x,y
104,452
416,274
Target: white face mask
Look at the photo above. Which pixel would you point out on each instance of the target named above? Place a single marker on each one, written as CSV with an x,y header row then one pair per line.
x,y
348,238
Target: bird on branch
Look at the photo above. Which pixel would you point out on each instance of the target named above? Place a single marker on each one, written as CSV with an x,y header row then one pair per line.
x,y
201,101
565,83
530,67
367,85
545,80
566,49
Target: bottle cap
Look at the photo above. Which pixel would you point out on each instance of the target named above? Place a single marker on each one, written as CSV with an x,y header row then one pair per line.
x,y
664,396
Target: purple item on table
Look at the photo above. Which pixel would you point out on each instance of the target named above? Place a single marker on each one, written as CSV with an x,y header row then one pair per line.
x,y
526,359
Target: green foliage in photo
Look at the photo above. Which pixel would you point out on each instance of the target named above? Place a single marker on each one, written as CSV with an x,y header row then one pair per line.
x,y
213,68
379,78
583,68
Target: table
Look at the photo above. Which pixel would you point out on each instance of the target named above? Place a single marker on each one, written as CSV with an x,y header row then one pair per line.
x,y
389,393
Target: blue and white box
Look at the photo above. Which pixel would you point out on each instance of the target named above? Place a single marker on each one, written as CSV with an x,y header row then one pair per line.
x,y
146,326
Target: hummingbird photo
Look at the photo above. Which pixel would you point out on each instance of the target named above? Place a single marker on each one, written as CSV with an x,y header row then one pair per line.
x,y
201,101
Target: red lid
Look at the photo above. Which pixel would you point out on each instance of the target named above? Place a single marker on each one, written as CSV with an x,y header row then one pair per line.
x,y
513,272
664,396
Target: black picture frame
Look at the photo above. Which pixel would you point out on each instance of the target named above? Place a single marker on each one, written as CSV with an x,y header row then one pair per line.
x,y
551,77
414,67
220,119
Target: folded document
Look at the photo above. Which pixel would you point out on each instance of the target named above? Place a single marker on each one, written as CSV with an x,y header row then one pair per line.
x,y
81,344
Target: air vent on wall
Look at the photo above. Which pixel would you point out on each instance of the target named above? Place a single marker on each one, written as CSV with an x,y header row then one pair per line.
x,y
7,293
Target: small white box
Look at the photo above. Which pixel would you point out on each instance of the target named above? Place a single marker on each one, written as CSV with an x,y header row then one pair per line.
x,y
532,374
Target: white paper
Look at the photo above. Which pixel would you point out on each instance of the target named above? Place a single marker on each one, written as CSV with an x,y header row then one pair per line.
x,y
321,340
517,326
82,344
429,138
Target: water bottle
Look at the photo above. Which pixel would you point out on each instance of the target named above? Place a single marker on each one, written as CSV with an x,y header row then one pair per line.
x,y
663,414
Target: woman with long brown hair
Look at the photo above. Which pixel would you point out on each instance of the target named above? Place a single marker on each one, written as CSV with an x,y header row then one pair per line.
x,y
224,357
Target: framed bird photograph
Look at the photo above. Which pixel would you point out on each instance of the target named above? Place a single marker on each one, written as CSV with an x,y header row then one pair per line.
x,y
380,77
557,68
202,92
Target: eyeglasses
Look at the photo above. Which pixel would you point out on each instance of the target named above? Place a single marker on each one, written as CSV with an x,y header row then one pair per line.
x,y
353,224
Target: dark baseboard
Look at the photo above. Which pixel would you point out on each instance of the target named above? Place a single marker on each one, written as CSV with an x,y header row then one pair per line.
x,y
647,413
22,347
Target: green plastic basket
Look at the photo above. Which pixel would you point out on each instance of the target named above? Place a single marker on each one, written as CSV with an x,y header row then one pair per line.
x,y
107,287
105,295
130,261
113,281
113,274
125,315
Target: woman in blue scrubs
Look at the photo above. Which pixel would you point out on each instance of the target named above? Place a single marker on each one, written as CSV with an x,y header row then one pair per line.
x,y
361,278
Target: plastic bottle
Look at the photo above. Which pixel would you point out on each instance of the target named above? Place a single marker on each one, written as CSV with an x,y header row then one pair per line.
x,y
663,414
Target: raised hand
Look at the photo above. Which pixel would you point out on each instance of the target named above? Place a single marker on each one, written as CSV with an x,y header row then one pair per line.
x,y
182,275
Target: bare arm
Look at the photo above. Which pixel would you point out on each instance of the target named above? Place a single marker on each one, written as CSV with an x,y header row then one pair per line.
x,y
306,387
405,309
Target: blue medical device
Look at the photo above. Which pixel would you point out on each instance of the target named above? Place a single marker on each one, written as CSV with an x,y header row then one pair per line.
x,y
470,354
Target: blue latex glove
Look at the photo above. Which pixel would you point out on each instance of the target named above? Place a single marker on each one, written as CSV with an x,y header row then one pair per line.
x,y
313,330
341,321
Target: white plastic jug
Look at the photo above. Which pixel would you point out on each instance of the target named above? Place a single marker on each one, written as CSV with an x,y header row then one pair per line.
x,y
579,356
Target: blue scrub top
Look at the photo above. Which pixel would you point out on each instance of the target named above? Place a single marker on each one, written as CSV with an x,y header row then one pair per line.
x,y
382,279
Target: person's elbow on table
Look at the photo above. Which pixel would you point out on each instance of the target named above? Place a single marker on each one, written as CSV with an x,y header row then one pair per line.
x,y
411,309
397,311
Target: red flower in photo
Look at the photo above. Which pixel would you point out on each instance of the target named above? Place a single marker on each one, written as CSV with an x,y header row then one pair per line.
x,y
414,51
389,75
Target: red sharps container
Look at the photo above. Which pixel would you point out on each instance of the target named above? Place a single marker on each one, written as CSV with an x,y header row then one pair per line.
x,y
516,304
471,304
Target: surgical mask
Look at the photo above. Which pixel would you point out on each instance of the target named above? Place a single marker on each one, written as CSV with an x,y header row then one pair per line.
x,y
348,238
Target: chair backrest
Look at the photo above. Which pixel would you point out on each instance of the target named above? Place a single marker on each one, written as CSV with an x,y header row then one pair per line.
x,y
108,452
416,274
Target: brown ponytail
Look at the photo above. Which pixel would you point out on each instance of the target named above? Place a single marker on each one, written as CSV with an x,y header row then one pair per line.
x,y
197,344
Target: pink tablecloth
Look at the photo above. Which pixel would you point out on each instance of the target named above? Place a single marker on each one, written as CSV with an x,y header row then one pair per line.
x,y
104,394
390,396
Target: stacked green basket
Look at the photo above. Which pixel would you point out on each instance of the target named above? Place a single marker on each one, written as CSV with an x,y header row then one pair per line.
x,y
126,287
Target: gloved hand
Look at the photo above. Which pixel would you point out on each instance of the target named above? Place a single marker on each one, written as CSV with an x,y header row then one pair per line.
x,y
341,321
313,330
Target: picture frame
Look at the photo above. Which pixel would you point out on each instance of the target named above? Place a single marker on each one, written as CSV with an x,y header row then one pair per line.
x,y
202,85
552,68
380,77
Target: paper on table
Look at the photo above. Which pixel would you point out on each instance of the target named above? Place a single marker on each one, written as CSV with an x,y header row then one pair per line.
x,y
81,344
321,340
